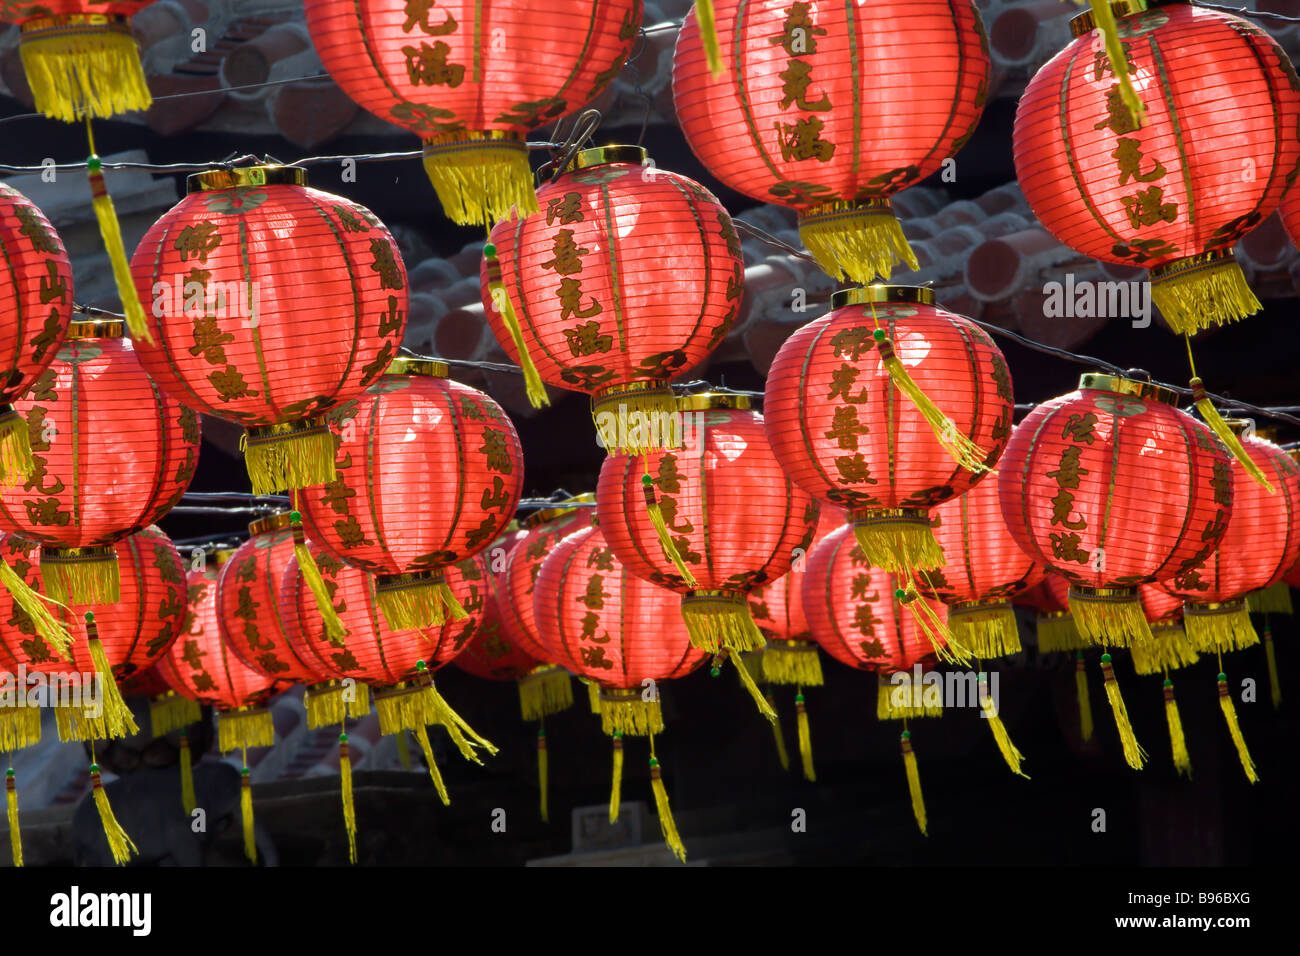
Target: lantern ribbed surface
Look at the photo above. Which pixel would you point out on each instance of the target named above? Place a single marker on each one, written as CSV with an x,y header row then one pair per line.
x,y
522,568
1158,604
777,608
1212,158
491,654
826,108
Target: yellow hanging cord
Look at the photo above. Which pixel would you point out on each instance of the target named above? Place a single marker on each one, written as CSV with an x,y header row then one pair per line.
x,y
111,232
666,822
1205,406
345,785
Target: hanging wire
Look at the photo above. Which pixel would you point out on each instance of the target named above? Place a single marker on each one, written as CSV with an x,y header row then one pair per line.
x,y
1243,12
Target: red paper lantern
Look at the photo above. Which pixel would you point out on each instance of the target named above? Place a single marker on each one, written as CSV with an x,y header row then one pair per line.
x,y
272,304
731,515
1111,486
609,625
831,109
471,80
592,293
1261,543
843,427
35,303
490,654
112,454
983,569
1211,159
429,473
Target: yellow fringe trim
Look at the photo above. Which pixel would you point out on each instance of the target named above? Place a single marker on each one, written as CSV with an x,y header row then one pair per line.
x,y
1219,629
901,544
1234,730
19,727
326,706
118,719
1085,699
418,604
543,787
1274,599
720,620
1114,620
111,233
856,243
188,800
171,712
422,737
709,36
1057,632
334,630
241,729
1010,754
778,735
661,531
119,844
1177,742
1168,650
534,387
903,701
289,460
94,71
805,739
79,579
478,180
624,712
349,808
246,815
1226,435
986,631
963,451
1134,755
1104,18
791,662
15,449
638,418
1197,298
1274,685
616,780
545,690
593,696
15,834
914,782
667,825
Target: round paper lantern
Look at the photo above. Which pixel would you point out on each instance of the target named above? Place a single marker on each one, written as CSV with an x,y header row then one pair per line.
x,y
591,294
845,429
830,109
1111,486
983,569
272,303
1211,158
111,452
80,57
429,473
1261,543
490,654
732,518
35,303
471,80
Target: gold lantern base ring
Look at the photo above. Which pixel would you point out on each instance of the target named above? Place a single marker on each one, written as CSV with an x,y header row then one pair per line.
x,y
626,711
1109,617
480,176
857,240
81,575
83,64
1200,291
289,456
416,599
719,619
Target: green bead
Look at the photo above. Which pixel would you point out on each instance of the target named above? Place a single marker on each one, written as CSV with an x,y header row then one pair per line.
x,y
1105,658
295,517
94,164
541,734
907,735
1168,682
715,671
90,617
244,772
653,763
1223,678
94,768
647,480
618,735
9,772
489,249
899,593
421,666
798,698
343,738
878,335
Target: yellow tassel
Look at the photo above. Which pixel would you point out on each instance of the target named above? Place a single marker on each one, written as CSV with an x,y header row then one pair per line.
x,y
1274,599
119,844
760,701
791,662
1104,19
409,602
93,70
545,690
118,719
1177,742
19,727
15,835
15,448
665,540
111,233
856,240
1085,699
1225,434
626,712
963,451
244,728
901,544
720,619
1216,628
1168,650
778,735
1134,755
1234,730
403,751
1109,616
709,36
1010,754
500,300
542,783
945,646
327,705
464,736
349,808
480,176
334,631
666,822
1202,291
47,626
914,782
1274,685
1056,632
171,712
986,632
904,700
188,800
422,737
616,785
805,739
73,577
246,815
289,456
593,696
